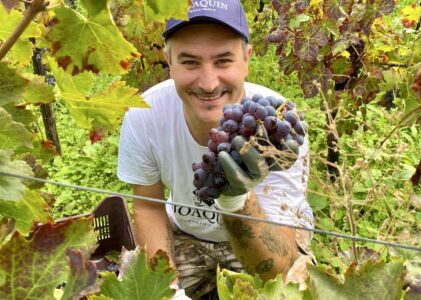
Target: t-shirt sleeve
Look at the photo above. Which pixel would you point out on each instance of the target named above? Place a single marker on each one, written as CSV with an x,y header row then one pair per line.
x,y
136,162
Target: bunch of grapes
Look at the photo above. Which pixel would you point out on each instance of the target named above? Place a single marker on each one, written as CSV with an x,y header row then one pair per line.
x,y
270,124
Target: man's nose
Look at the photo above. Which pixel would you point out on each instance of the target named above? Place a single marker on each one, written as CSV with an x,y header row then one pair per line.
x,y
208,79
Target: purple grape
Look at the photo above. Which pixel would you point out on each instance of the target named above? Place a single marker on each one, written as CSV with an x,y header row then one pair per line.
x,y
230,126
200,175
272,100
245,99
224,147
196,165
218,181
253,108
213,134
270,123
246,106
299,139
271,110
292,117
237,114
263,102
300,127
209,158
283,128
249,123
223,136
203,193
261,113
256,97
228,114
212,146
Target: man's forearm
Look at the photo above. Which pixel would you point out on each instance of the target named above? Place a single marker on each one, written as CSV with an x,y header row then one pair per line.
x,y
153,230
262,248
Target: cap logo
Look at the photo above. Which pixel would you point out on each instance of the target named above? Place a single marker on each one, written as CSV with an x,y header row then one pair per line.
x,y
207,5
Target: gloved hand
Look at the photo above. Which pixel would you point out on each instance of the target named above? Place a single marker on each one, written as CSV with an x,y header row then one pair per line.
x,y
240,181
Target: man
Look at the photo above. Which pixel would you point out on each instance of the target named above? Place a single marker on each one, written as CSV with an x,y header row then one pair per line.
x,y
208,58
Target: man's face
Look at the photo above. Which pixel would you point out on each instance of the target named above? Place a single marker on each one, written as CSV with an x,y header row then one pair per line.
x,y
208,64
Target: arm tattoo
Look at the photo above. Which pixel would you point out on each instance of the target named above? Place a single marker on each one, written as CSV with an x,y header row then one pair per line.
x,y
240,231
264,266
273,242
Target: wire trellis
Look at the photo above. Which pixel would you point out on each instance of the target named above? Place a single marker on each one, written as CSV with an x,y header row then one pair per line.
x,y
235,215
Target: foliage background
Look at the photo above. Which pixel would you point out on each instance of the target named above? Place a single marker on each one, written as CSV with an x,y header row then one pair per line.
x,y
373,196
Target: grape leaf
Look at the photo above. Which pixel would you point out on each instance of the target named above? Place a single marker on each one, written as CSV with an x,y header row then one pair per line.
x,y
337,9
233,285
38,91
21,51
162,10
370,281
13,134
308,43
413,279
102,110
11,85
20,114
144,34
141,281
31,208
82,275
90,43
12,188
33,268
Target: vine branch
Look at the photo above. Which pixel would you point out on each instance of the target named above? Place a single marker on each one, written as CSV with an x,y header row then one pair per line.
x,y
35,6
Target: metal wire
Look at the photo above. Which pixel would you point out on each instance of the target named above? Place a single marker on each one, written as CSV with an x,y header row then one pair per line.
x,y
235,215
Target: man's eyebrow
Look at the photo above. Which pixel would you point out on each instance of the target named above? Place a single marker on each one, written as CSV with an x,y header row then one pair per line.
x,y
188,55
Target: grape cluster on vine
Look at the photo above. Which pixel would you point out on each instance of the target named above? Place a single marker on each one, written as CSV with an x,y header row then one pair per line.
x,y
270,124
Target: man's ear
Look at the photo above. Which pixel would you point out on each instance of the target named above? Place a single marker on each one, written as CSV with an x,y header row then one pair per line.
x,y
167,56
248,52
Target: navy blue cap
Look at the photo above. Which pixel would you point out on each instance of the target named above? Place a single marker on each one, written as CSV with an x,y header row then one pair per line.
x,y
226,12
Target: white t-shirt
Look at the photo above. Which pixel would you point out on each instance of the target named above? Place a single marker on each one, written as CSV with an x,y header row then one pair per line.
x,y
156,145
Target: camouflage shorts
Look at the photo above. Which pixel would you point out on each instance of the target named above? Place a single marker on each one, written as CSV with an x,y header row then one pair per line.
x,y
197,260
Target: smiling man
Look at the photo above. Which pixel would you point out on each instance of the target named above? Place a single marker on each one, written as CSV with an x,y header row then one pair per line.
x,y
208,56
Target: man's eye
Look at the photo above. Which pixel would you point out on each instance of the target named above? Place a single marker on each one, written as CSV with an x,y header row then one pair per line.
x,y
189,62
224,61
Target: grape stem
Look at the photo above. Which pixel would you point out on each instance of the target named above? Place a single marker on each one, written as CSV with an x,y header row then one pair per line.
x,y
35,6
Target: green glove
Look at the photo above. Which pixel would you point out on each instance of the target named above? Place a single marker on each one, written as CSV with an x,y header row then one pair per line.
x,y
240,181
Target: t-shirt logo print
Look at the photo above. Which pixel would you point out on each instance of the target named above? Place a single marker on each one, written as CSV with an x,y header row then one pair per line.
x,y
201,5
209,201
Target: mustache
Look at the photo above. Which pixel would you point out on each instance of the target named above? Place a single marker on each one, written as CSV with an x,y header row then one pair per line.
x,y
201,93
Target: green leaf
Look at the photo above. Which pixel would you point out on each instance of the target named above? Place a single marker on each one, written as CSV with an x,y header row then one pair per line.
x,y
33,268
21,51
233,285
162,10
38,91
296,22
12,188
141,281
90,43
13,134
370,281
11,85
103,110
31,208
